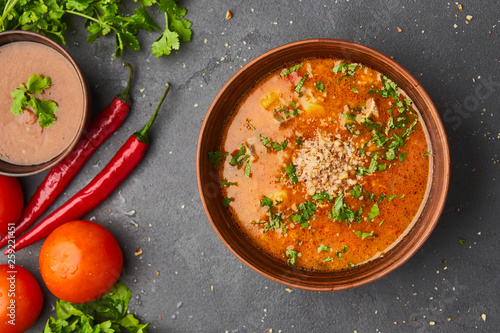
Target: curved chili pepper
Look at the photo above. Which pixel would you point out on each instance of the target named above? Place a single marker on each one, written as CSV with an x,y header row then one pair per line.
x,y
58,178
99,189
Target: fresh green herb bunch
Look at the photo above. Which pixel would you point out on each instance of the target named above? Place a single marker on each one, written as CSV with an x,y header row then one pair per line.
x,y
107,314
102,17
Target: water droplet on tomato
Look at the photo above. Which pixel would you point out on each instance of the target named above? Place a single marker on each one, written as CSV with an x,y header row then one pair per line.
x,y
63,276
73,269
52,269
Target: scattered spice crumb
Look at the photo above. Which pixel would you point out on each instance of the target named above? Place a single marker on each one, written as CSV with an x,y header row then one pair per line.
x,y
415,293
469,17
196,105
483,316
157,273
205,41
432,323
212,287
399,29
459,6
229,15
288,289
138,252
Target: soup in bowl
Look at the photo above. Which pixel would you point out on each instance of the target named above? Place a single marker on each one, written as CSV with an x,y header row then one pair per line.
x,y
317,163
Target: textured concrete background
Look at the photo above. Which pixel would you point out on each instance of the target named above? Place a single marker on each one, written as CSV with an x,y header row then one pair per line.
x,y
201,287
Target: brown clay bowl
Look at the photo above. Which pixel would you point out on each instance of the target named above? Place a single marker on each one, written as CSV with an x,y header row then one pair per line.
x,y
235,240
16,170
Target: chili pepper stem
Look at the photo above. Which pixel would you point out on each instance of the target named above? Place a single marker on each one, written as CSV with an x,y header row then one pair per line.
x,y
143,134
125,95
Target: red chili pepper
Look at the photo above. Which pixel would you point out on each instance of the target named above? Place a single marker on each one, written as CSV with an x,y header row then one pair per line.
x,y
99,189
58,178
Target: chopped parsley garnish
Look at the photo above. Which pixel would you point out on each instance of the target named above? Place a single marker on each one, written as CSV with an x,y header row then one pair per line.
x,y
343,213
427,154
301,83
24,97
393,196
227,201
240,157
248,168
268,142
322,196
362,171
354,90
374,212
215,157
291,257
223,182
320,86
279,146
265,141
349,127
275,145
248,122
290,172
295,109
324,248
306,213
363,235
390,155
299,141
339,253
328,259
461,241
389,90
349,116
409,129
275,219
291,70
356,191
344,67
402,157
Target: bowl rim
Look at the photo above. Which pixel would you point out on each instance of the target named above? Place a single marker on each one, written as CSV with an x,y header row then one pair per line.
x,y
34,37
439,129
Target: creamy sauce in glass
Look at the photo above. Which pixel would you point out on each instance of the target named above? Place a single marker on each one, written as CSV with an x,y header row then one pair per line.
x,y
22,140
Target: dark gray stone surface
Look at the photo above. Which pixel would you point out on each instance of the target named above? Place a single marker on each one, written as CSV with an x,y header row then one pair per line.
x,y
201,287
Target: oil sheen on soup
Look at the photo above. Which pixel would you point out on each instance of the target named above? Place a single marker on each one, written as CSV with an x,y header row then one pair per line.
x,y
324,164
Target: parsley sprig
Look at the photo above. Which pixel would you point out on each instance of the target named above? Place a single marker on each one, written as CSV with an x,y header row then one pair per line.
x,y
24,97
102,17
106,314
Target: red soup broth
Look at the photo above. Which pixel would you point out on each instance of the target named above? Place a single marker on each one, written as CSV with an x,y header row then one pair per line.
x,y
324,164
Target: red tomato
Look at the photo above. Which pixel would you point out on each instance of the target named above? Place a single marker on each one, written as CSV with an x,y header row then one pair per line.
x,y
11,202
80,261
21,299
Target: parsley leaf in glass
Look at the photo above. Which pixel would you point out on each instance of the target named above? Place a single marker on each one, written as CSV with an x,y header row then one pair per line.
x,y
24,100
